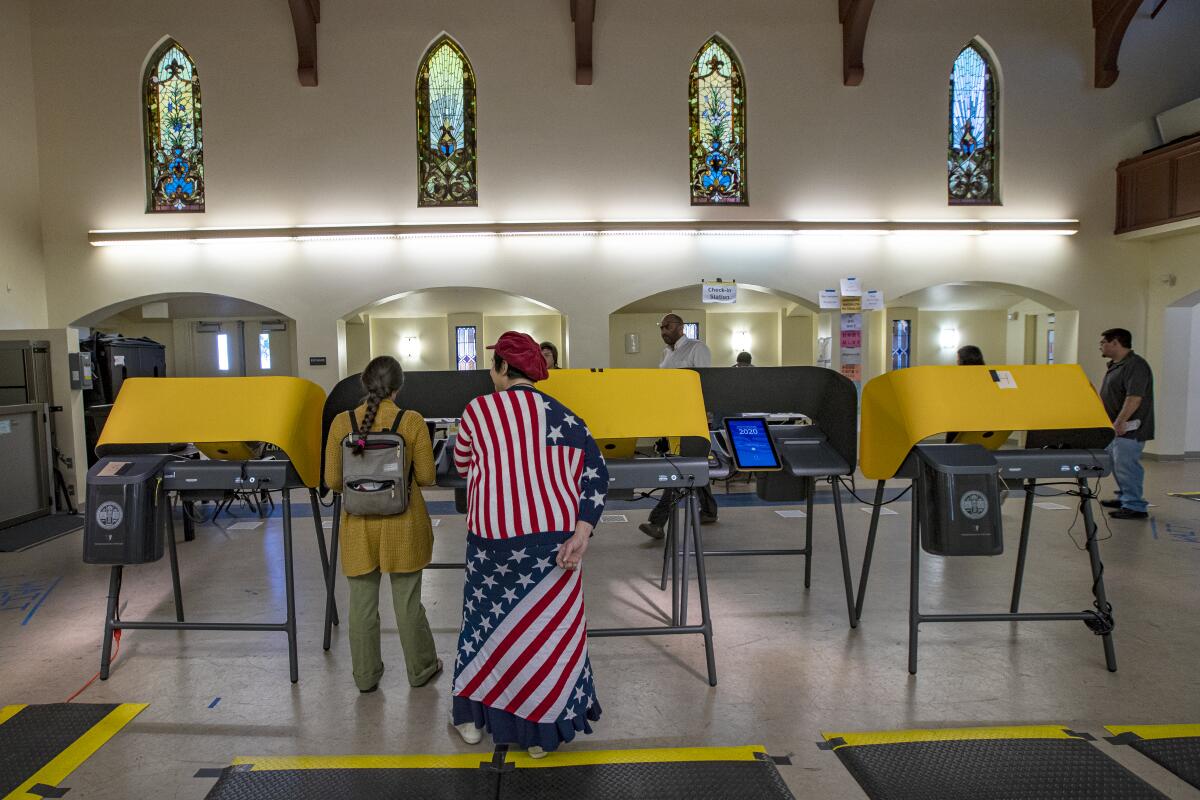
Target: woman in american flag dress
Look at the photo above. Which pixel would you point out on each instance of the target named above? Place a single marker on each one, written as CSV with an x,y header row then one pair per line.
x,y
535,489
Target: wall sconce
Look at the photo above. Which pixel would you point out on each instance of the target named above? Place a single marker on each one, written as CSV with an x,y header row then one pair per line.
x,y
948,338
410,348
741,341
633,344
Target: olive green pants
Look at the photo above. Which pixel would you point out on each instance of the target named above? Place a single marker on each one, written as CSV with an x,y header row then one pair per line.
x,y
420,654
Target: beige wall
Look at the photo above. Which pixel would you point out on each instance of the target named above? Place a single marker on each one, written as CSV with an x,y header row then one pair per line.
x,y
805,165
986,330
436,335
763,328
650,344
798,341
358,346
542,327
388,334
22,274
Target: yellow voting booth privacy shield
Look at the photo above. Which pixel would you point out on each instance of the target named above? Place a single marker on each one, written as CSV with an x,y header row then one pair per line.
x,y
901,408
285,412
621,406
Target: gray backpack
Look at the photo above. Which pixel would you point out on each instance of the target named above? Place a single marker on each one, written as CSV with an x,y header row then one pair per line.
x,y
373,481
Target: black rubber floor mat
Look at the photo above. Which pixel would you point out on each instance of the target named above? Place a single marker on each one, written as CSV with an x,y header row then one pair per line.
x,y
35,735
707,780
1176,748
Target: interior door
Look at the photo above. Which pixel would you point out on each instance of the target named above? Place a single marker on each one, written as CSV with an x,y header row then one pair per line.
x,y
268,348
218,350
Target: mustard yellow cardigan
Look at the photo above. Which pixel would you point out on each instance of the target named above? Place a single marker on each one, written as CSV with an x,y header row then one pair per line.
x,y
400,543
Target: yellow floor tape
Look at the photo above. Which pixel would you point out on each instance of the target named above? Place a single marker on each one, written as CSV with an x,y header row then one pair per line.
x,y
949,735
1156,731
518,758
66,762
8,712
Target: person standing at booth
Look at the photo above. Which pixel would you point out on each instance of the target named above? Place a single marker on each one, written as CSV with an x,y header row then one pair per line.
x,y
400,545
550,353
535,490
680,353
1128,396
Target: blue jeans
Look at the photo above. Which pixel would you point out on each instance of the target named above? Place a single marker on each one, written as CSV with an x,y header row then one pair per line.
x,y
1127,469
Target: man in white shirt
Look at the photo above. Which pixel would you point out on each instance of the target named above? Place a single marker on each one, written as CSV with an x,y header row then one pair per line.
x,y
680,353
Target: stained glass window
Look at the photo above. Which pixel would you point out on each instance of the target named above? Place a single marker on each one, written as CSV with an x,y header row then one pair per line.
x,y
446,127
174,136
465,347
972,153
717,103
691,330
901,343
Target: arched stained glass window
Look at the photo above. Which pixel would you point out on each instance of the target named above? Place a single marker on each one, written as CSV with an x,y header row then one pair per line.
x,y
174,134
717,101
446,127
972,155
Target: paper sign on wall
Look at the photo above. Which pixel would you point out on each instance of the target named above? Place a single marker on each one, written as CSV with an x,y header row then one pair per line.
x,y
872,300
851,287
852,371
718,292
829,298
851,304
851,322
851,340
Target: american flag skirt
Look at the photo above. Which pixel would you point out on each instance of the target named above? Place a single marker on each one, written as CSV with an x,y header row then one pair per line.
x,y
522,668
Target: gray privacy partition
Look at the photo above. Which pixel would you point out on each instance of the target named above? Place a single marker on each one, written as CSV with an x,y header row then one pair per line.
x,y
825,450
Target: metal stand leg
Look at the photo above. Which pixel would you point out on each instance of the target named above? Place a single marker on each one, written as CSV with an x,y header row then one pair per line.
x,y
808,528
914,580
866,566
841,529
289,587
705,616
1093,548
189,527
662,584
174,563
111,618
691,521
673,540
1023,549
330,579
315,502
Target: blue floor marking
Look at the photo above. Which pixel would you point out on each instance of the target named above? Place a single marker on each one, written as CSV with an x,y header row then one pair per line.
x,y
40,601
213,704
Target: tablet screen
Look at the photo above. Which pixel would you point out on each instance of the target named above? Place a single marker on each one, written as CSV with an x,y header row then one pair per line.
x,y
751,444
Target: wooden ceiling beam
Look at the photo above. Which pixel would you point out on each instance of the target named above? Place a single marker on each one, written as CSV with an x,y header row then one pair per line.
x,y
305,16
854,16
1111,19
583,14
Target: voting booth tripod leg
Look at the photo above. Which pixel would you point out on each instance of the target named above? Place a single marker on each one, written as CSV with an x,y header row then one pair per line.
x,y
178,590
691,521
866,566
112,618
1023,548
189,525
315,502
914,579
1104,621
808,530
710,657
330,576
841,529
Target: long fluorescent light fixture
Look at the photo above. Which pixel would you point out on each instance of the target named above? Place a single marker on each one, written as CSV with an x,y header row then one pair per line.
x,y
306,233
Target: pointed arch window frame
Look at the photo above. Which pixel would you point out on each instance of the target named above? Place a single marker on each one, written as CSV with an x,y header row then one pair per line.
x,y
709,168
984,160
174,167
438,172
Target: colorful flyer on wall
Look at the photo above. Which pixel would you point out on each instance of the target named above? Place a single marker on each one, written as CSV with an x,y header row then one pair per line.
x,y
851,340
829,298
852,371
851,304
872,300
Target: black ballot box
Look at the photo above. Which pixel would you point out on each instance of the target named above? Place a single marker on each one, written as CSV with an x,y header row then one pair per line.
x,y
960,500
126,510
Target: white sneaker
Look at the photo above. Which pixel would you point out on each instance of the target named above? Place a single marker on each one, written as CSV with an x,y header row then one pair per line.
x,y
537,752
469,733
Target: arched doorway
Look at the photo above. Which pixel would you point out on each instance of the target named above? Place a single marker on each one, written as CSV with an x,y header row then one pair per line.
x,y
777,328
1011,324
447,327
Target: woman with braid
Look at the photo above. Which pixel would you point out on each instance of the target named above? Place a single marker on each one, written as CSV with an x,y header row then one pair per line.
x,y
399,545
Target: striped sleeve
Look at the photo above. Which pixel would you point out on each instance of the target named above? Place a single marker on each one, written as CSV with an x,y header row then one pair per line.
x,y
462,442
593,483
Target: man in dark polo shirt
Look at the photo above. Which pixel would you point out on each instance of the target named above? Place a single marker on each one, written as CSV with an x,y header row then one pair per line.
x,y
1128,396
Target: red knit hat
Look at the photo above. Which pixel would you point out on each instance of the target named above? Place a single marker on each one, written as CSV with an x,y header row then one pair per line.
x,y
520,350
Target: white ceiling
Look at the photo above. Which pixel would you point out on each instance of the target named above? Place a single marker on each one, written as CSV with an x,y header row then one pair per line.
x,y
688,297
439,302
959,297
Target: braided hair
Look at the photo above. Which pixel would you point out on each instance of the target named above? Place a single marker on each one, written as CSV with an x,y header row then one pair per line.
x,y
382,378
